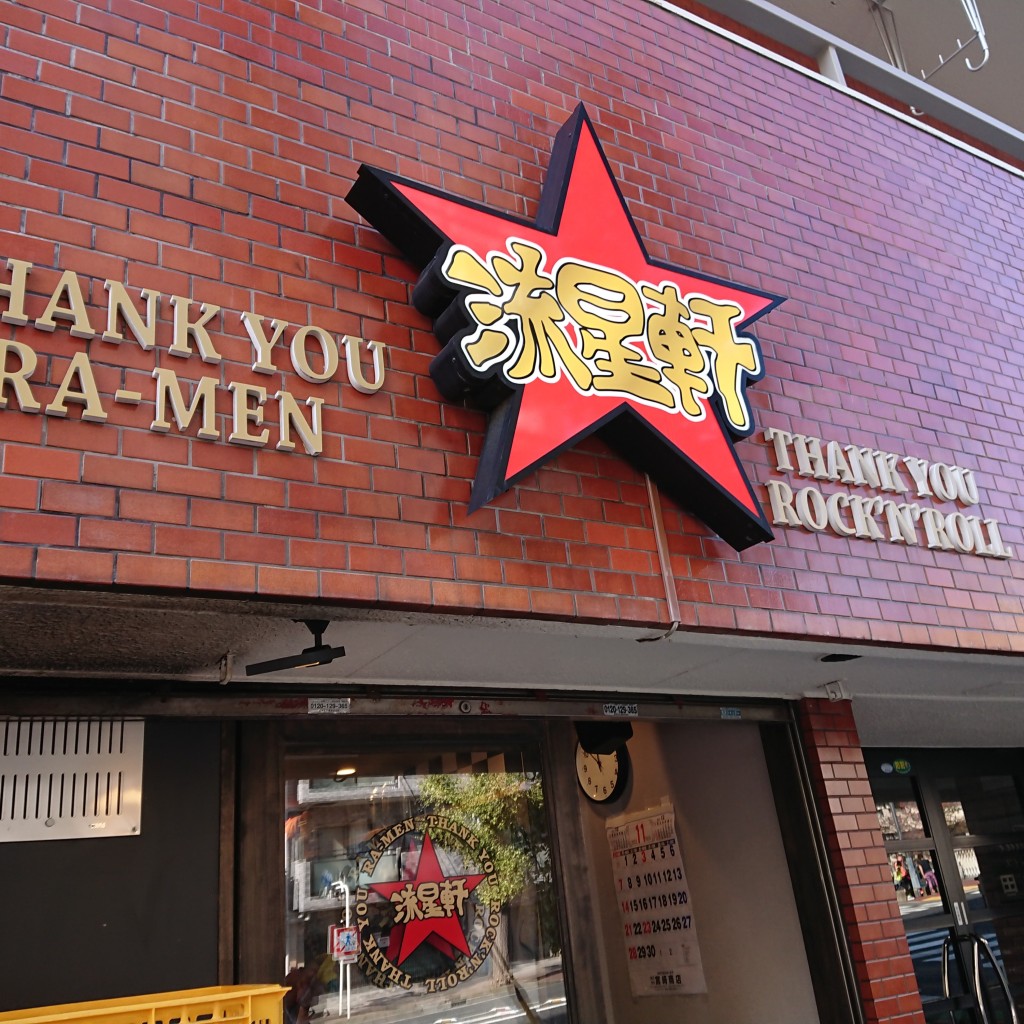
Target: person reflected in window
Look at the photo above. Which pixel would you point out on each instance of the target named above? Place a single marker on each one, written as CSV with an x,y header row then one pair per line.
x,y
901,878
927,873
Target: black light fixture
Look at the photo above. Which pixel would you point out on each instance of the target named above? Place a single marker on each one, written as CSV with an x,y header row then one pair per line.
x,y
318,654
603,737
832,659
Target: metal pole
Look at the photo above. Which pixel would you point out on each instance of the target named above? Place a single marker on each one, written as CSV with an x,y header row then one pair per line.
x,y
348,967
343,968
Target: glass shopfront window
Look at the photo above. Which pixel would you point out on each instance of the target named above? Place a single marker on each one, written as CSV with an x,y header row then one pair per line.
x,y
952,822
431,873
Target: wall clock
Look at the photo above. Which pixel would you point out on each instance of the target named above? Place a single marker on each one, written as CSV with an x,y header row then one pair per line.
x,y
602,777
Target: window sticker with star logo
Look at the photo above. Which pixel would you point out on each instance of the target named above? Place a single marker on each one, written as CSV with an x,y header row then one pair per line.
x,y
430,907
442,866
563,326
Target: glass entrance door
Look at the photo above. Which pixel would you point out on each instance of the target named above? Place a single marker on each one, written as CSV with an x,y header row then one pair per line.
x,y
420,887
953,825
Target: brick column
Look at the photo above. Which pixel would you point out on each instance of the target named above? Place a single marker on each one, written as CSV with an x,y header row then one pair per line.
x,y
878,944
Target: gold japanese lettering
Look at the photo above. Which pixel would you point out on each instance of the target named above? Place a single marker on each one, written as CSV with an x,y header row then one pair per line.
x,y
609,311
523,294
672,342
734,357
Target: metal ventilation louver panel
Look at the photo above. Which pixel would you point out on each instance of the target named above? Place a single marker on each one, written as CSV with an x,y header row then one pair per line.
x,y
69,778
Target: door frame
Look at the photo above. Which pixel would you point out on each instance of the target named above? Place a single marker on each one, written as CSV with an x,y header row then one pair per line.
x,y
259,877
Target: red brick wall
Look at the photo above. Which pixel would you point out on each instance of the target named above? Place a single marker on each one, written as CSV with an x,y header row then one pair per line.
x,y
860,867
204,150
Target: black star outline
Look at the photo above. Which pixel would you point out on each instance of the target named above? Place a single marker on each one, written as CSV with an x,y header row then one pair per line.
x,y
415,217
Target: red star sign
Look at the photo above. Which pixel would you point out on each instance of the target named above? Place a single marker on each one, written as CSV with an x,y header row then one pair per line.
x,y
428,907
564,326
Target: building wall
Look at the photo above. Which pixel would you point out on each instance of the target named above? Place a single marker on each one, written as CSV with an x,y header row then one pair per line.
x,y
859,864
106,917
203,151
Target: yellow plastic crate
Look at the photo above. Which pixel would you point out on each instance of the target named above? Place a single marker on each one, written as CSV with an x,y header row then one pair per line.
x,y
246,1004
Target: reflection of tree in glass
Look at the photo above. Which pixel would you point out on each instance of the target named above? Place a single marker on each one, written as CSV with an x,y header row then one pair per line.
x,y
900,820
887,821
956,821
505,810
909,817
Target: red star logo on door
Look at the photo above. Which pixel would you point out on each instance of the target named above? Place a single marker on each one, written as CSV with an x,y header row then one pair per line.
x,y
564,326
428,907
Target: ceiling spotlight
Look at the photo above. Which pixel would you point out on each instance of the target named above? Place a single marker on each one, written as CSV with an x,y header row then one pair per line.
x,y
832,659
318,654
603,737
345,771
